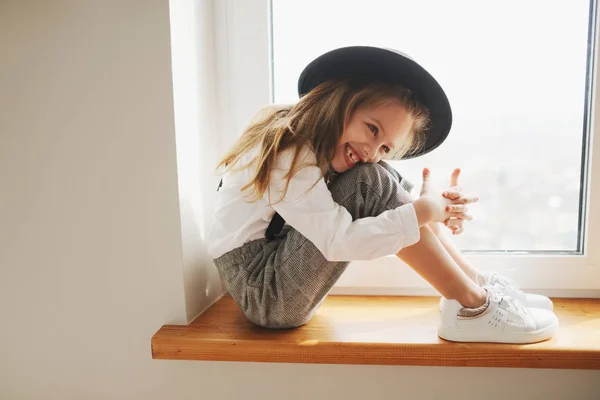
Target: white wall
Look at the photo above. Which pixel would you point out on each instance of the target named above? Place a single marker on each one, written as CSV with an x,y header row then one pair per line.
x,y
196,103
90,240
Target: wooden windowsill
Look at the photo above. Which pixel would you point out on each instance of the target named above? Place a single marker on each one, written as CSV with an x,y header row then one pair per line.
x,y
377,330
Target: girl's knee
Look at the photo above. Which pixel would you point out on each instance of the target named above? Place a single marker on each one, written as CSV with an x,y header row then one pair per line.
x,y
370,184
370,175
366,172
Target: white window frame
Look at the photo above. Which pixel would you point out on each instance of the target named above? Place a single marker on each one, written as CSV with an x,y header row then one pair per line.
x,y
243,39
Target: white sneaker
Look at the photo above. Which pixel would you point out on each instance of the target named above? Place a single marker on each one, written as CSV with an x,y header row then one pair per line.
x,y
504,321
511,289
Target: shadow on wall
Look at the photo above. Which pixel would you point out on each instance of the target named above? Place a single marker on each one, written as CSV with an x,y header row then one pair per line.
x,y
201,280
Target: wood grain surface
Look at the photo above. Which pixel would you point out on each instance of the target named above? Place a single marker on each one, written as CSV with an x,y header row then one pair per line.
x,y
377,330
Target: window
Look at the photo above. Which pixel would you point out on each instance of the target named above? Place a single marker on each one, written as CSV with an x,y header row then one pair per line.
x,y
519,78
516,82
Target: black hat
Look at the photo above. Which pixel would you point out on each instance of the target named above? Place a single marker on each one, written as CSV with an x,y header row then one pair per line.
x,y
378,64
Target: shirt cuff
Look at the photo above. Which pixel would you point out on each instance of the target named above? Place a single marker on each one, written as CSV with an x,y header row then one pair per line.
x,y
410,224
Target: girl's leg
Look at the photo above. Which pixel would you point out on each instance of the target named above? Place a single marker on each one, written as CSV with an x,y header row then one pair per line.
x,y
281,283
528,299
431,261
440,231
429,257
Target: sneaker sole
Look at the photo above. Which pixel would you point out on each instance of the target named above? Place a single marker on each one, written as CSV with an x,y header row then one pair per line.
x,y
456,335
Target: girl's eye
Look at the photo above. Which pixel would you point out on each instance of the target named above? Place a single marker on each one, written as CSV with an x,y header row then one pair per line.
x,y
373,129
386,149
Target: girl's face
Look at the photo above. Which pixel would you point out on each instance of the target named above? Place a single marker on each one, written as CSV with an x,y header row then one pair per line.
x,y
371,134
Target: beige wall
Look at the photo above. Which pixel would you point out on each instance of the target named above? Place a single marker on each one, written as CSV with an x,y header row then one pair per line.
x,y
91,258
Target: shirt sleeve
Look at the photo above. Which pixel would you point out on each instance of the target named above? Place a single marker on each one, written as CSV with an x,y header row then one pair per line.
x,y
310,209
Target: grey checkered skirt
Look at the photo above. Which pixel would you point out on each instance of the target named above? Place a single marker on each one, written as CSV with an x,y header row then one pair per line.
x,y
281,283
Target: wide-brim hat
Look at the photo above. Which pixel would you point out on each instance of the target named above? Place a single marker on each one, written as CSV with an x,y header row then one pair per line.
x,y
386,65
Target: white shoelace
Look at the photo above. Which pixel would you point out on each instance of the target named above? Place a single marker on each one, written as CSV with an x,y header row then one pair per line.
x,y
494,278
502,299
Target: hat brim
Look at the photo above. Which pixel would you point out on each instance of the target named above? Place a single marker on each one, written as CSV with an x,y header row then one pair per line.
x,y
378,64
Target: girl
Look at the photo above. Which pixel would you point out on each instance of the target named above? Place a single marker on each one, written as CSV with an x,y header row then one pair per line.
x,y
306,191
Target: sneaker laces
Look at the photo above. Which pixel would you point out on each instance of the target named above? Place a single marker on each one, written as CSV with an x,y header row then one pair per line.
x,y
501,298
494,278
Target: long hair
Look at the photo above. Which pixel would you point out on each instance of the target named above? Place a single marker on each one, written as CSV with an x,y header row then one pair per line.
x,y
317,121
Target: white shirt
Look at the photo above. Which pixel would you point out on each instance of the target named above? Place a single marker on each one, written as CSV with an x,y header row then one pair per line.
x,y
310,210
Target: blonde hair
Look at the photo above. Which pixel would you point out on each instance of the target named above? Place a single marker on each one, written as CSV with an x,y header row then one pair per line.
x,y
318,120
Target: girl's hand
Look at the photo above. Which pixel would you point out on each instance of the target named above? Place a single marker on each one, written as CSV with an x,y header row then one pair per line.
x,y
433,207
455,193
455,226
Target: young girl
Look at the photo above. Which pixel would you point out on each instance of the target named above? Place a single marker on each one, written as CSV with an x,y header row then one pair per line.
x,y
306,191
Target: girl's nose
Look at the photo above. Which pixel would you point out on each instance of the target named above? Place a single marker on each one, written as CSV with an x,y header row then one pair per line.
x,y
367,154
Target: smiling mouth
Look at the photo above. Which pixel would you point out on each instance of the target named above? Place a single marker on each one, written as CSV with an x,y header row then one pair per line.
x,y
351,157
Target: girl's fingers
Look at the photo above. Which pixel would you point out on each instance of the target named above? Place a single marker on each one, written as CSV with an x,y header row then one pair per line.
x,y
466,200
454,177
426,174
461,215
425,184
455,226
459,211
454,223
452,194
458,231
463,208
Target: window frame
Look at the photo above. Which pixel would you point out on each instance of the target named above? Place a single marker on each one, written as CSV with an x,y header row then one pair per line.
x,y
246,87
